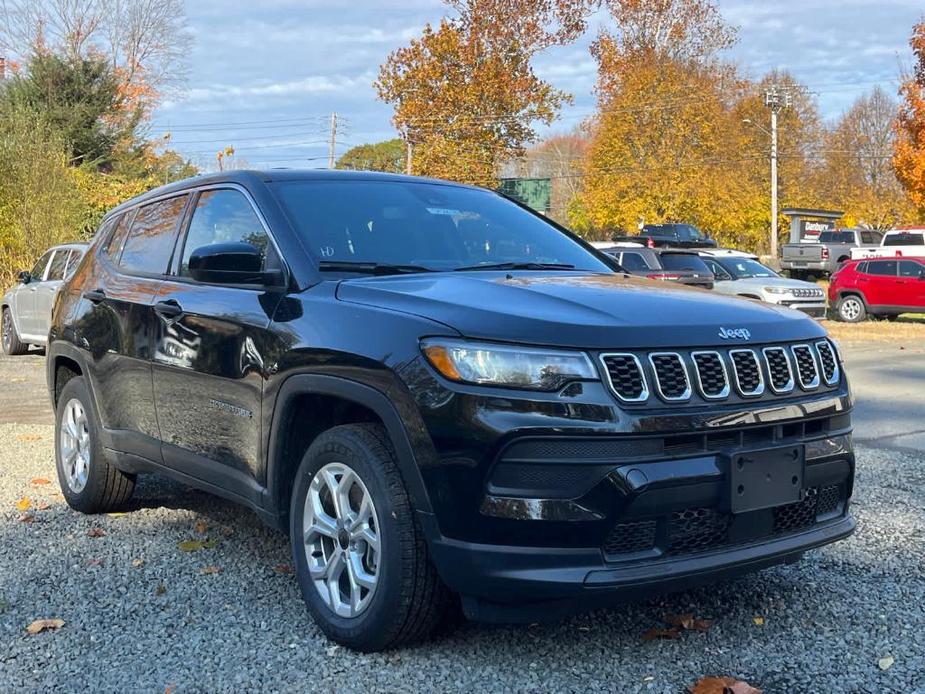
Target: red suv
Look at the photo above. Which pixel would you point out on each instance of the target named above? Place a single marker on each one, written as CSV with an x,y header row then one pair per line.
x,y
879,287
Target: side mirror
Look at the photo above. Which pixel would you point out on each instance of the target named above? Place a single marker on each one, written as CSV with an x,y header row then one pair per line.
x,y
25,277
231,263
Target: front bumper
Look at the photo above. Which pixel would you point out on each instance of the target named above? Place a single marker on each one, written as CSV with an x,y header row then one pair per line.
x,y
518,584
814,309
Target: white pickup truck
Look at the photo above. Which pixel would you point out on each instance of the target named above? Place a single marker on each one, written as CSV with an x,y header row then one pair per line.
x,y
897,243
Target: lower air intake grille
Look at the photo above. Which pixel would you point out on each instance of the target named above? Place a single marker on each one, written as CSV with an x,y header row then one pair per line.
x,y
806,366
626,376
696,529
795,516
630,537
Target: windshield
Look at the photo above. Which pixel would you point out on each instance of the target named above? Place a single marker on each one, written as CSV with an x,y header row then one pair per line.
x,y
424,226
745,268
684,261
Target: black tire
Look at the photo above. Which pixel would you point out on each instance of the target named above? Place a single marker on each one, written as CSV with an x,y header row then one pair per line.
x,y
10,338
105,488
851,309
410,601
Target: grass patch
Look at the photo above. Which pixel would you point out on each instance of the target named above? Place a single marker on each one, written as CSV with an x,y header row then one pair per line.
x,y
907,331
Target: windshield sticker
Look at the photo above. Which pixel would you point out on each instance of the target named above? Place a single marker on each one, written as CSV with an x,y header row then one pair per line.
x,y
444,210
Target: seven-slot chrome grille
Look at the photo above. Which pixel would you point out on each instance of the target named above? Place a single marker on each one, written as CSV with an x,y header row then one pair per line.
x,y
678,376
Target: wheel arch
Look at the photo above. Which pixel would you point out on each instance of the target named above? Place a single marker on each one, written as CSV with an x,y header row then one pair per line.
x,y
342,401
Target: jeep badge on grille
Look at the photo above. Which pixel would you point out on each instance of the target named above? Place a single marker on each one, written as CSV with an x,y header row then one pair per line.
x,y
735,334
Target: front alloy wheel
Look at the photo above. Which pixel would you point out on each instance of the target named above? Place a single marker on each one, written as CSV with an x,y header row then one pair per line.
x,y
341,531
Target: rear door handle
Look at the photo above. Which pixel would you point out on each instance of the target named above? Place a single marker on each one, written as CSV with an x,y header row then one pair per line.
x,y
168,309
95,296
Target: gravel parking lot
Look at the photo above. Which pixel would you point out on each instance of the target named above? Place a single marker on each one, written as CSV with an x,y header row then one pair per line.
x,y
142,614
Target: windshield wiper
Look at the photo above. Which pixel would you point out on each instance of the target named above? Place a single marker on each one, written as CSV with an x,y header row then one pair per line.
x,y
368,268
516,266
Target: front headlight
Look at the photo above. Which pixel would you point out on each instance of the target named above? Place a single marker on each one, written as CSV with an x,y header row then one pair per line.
x,y
777,290
484,363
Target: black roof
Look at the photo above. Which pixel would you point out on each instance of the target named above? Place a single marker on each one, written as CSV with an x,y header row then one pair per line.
x,y
251,176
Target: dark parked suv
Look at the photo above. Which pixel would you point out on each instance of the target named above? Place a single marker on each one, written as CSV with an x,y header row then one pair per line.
x,y
440,395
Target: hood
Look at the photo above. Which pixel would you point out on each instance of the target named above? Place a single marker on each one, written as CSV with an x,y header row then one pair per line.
x,y
593,311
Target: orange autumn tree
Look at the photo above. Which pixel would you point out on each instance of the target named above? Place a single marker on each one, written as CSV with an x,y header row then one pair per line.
x,y
909,149
665,145
465,94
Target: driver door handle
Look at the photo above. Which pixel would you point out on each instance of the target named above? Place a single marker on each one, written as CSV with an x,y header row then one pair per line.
x,y
95,296
168,309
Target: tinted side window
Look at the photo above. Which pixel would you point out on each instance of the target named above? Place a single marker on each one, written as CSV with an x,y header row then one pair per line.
x,y
717,269
633,261
882,267
150,243
72,262
909,268
38,272
683,261
112,243
58,265
862,268
223,216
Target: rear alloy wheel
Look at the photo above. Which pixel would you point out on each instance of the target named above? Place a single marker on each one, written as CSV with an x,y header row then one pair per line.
x,y
361,559
9,337
89,483
851,309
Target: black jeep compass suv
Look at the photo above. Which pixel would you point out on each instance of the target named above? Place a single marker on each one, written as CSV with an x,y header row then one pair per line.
x,y
441,395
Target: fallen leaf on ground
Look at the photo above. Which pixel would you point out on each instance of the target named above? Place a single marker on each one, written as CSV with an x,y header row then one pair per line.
x,y
26,518
96,531
758,620
28,437
688,622
655,633
210,570
42,506
40,625
116,514
24,504
170,689
196,545
283,569
96,561
722,685
201,527
886,662
226,531
138,562
39,481
161,589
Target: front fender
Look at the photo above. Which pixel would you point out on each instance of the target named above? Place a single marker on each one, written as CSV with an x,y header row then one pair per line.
x,y
361,394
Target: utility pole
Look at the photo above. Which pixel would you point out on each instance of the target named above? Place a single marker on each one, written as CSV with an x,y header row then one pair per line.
x,y
333,143
775,98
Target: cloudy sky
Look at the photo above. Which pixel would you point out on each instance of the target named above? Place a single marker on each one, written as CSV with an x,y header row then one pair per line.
x,y
265,76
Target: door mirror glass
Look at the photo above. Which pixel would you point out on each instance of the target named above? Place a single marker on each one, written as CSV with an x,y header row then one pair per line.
x,y
25,277
231,263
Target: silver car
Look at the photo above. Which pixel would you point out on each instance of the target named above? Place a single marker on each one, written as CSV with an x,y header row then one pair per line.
x,y
27,306
740,274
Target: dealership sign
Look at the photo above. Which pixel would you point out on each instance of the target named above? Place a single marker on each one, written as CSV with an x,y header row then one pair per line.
x,y
810,228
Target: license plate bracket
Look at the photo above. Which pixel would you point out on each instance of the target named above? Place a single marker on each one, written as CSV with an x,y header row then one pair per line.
x,y
766,478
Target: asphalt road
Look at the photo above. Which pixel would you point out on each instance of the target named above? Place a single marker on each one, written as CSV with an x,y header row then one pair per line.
x,y
142,615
